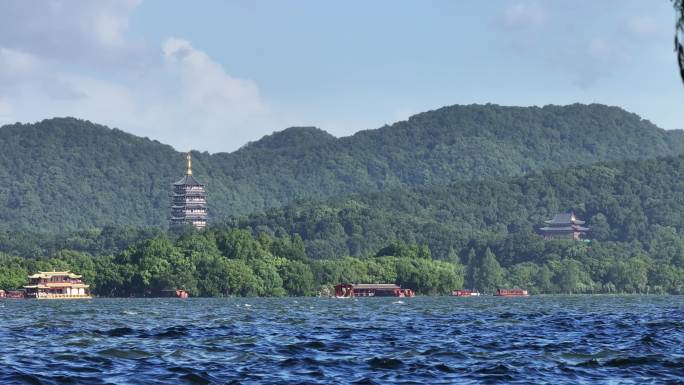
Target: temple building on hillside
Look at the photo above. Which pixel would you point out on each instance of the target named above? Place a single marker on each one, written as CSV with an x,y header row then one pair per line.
x,y
564,226
189,201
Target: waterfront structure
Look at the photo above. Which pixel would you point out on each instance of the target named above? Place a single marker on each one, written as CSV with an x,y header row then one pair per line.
x,y
189,200
465,293
564,226
56,285
511,293
371,290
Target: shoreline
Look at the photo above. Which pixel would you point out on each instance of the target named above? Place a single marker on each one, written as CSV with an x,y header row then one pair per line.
x,y
473,298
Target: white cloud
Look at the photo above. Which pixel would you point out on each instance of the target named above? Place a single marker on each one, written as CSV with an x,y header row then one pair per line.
x,y
572,40
5,112
216,107
523,15
188,101
205,82
602,49
646,27
587,61
73,29
75,58
600,57
16,65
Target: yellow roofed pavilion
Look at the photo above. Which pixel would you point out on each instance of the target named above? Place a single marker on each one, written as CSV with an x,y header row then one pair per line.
x,y
56,285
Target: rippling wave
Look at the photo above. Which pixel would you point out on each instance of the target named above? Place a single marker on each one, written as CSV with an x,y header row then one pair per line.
x,y
542,339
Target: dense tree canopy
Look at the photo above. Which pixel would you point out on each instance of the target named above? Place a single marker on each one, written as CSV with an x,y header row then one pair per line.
x,y
623,201
477,235
204,265
448,199
66,174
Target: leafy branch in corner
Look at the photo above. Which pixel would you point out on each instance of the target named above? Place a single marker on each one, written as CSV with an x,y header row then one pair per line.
x,y
679,48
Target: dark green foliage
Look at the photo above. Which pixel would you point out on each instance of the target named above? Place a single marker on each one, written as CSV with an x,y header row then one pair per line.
x,y
297,278
425,213
485,272
13,272
196,263
626,201
428,239
67,174
229,263
108,240
679,48
428,276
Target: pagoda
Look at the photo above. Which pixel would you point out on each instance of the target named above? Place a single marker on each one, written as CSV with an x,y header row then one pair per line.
x,y
189,201
564,226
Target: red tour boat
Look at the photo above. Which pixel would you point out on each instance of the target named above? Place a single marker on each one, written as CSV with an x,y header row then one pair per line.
x,y
465,293
511,293
348,290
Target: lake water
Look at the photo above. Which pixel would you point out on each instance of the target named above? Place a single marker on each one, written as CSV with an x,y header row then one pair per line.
x,y
540,339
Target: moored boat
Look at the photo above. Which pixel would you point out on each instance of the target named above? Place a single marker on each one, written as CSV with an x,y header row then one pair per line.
x,y
511,293
465,293
348,290
14,294
178,293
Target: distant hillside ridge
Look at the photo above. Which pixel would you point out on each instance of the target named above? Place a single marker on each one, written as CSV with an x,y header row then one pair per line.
x,y
66,174
634,201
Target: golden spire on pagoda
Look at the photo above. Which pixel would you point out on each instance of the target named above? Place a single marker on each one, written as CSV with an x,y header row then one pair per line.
x,y
188,157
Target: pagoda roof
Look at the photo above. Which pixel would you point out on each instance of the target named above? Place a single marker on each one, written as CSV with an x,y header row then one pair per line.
x,y
188,180
189,197
196,193
188,216
49,274
54,285
563,219
565,228
380,286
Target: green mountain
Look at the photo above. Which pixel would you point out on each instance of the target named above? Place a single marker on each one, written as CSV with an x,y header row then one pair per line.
x,y
64,174
477,234
628,201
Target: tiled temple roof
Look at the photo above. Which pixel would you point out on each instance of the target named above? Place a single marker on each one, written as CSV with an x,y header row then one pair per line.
x,y
188,180
564,219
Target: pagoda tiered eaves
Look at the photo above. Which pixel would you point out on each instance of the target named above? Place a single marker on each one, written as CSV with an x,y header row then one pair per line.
x,y
564,226
189,201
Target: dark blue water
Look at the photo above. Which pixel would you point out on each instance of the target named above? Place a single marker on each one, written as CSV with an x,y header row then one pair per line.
x,y
543,339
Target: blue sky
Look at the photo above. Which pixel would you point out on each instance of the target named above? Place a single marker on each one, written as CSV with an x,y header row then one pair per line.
x,y
213,75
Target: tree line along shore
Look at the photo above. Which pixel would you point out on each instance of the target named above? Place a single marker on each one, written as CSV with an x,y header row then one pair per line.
x,y
120,262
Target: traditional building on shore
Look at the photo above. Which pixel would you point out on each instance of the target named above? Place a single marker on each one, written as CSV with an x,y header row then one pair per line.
x,y
564,226
56,285
347,290
189,201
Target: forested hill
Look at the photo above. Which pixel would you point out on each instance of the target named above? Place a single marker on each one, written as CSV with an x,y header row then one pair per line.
x,y
477,234
63,174
638,201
